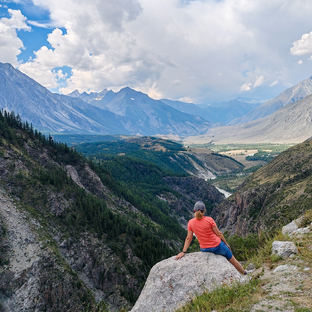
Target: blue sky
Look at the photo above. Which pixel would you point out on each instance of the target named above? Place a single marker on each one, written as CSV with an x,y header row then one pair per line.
x,y
199,51
34,39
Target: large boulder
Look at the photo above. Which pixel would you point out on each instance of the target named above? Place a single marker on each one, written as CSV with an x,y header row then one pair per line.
x,y
171,283
283,249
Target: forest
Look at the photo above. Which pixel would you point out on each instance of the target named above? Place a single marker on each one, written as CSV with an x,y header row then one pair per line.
x,y
88,212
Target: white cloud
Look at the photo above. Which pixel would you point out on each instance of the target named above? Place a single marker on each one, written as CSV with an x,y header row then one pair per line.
x,y
176,82
259,81
274,83
302,46
148,44
34,23
41,73
186,99
299,62
10,44
246,87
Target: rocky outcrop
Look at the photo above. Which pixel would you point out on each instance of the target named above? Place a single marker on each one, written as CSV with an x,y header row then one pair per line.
x,y
302,231
242,213
292,226
101,270
283,249
171,283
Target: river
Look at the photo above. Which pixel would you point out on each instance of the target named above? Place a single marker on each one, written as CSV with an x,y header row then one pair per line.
x,y
225,193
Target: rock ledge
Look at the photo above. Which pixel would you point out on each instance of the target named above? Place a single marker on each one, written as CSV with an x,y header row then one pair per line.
x,y
171,283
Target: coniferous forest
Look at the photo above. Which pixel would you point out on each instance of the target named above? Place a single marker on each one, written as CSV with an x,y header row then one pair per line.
x,y
115,202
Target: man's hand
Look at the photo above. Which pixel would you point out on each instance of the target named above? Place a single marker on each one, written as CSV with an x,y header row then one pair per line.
x,y
180,255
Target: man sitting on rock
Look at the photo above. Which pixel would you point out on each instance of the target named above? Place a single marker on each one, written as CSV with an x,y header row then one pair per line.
x,y
209,237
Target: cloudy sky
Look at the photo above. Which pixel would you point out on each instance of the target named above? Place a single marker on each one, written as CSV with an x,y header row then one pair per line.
x,y
193,50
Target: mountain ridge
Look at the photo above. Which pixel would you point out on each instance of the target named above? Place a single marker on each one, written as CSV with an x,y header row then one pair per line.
x,y
292,123
288,96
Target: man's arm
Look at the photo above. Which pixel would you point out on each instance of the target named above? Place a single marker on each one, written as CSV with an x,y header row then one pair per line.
x,y
187,243
218,233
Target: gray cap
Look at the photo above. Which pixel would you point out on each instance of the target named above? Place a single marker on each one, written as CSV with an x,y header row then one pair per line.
x,y
199,206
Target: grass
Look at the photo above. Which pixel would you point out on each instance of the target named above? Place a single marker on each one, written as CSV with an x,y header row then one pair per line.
x,y
232,298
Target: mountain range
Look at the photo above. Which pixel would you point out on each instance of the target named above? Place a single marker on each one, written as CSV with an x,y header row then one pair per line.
x,y
144,115
129,112
291,123
124,112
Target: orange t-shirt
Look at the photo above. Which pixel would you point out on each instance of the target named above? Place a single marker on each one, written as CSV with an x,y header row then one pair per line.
x,y
203,231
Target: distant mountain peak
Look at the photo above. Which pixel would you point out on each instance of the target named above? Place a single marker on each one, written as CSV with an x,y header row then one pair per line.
x,y
75,93
104,91
8,65
128,90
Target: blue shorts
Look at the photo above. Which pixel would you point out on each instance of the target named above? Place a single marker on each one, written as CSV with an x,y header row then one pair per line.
x,y
221,249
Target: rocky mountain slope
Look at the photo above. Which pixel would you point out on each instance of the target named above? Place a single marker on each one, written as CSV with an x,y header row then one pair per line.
x,y
290,124
49,111
272,196
72,237
291,95
124,112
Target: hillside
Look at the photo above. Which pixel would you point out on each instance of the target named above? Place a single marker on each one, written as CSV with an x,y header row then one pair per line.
x,y
290,124
290,95
272,196
172,156
73,237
